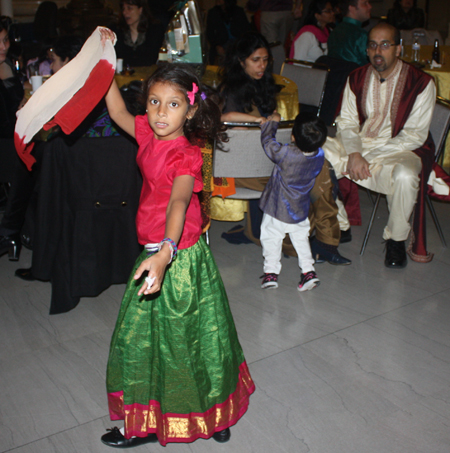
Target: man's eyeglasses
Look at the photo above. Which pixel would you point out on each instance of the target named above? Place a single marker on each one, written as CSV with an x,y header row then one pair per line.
x,y
385,45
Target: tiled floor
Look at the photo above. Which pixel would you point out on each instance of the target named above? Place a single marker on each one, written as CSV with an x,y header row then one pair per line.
x,y
359,365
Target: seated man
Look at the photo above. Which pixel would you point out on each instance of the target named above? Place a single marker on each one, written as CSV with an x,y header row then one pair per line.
x,y
348,40
382,140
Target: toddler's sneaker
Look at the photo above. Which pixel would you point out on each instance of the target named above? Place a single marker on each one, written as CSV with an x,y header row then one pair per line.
x,y
269,281
308,281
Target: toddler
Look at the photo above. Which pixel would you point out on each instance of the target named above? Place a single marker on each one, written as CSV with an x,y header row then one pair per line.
x,y
285,199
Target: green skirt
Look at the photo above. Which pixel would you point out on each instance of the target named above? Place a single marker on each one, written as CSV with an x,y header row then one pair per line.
x,y
176,367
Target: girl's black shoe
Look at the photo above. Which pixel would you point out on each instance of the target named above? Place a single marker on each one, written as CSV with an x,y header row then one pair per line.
x,y
222,436
114,438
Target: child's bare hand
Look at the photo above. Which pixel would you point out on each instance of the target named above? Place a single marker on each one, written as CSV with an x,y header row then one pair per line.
x,y
106,34
156,267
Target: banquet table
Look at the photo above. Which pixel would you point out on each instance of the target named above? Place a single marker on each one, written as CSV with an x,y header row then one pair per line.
x,y
441,77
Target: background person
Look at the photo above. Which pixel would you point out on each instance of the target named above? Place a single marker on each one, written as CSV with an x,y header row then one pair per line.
x,y
139,35
225,23
383,141
310,43
348,41
405,15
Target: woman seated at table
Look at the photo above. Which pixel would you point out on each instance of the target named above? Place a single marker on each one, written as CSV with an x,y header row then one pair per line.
x,y
310,43
139,35
405,15
64,49
247,86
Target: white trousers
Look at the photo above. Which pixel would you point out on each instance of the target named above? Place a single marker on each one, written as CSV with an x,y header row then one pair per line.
x,y
273,232
395,174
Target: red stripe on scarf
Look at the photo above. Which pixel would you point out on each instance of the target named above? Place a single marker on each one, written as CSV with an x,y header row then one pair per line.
x,y
70,116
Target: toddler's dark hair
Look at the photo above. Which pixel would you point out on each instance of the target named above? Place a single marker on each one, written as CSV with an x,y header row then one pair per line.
x,y
309,131
205,124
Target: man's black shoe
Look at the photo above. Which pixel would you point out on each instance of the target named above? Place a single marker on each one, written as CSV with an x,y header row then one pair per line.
x,y
395,254
346,236
25,274
322,253
117,440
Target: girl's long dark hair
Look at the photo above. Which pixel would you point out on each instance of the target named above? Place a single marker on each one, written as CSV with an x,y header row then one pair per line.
x,y
205,124
146,16
236,83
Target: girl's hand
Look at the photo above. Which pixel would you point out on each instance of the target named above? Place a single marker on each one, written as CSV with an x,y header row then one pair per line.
x,y
106,34
156,267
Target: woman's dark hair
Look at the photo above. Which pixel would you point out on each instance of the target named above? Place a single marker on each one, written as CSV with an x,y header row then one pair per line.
x,y
315,7
309,131
5,23
235,81
205,124
67,47
146,17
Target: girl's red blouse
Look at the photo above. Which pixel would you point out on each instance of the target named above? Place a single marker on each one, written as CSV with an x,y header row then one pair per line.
x,y
160,162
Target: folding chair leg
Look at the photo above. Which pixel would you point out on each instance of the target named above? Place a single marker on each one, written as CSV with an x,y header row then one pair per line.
x,y
436,221
207,236
369,194
369,227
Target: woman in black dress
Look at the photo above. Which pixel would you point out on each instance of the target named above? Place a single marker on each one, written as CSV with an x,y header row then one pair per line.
x,y
139,35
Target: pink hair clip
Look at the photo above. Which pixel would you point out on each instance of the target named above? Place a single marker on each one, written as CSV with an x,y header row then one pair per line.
x,y
191,94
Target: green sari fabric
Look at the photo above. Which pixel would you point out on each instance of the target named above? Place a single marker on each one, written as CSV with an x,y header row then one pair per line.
x,y
176,353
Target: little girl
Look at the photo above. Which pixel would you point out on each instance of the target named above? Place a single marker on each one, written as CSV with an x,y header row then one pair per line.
x,y
176,371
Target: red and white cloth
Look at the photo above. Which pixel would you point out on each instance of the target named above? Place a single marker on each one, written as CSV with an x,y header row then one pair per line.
x,y
68,96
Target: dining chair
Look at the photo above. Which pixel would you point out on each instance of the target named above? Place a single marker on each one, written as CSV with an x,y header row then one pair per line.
x,y
243,156
439,129
311,80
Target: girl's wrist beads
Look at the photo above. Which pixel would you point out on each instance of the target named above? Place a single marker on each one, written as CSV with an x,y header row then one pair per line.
x,y
154,248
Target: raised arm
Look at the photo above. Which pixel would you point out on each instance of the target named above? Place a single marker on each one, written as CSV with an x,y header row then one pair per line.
x,y
114,102
118,111
180,197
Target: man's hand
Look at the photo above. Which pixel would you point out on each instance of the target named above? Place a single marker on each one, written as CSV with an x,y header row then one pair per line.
x,y
357,167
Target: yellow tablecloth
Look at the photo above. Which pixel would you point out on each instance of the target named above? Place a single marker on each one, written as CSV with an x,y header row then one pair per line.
x,y
441,77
